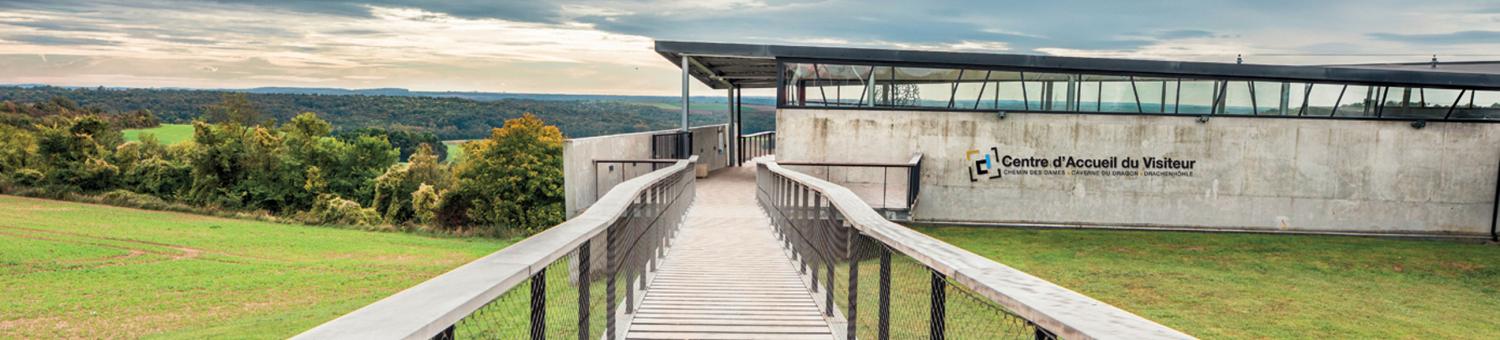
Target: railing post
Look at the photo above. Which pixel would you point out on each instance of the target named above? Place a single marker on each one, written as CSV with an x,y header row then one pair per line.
x,y
938,318
828,291
612,269
797,213
853,314
814,275
1039,333
583,290
539,305
629,291
884,320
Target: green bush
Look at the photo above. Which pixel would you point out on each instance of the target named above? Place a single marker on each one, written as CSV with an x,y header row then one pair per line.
x,y
27,177
425,203
395,188
512,180
332,209
127,198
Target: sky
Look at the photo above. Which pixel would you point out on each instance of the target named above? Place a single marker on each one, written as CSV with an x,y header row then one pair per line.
x,y
605,47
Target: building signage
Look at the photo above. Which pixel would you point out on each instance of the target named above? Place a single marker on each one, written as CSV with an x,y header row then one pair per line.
x,y
993,165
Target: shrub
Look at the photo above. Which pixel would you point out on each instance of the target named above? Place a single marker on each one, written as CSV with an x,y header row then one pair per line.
x,y
332,209
17,148
395,188
27,177
127,198
513,179
425,203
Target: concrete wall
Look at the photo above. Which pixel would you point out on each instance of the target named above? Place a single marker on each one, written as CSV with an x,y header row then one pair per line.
x,y
581,179
711,145
1249,173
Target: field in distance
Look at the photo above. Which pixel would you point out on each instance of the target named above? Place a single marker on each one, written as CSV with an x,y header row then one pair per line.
x,y
167,134
455,150
1256,286
71,270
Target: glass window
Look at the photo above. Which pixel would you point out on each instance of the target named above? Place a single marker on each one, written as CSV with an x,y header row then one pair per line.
x,y
848,85
1115,95
1152,94
1353,100
1268,98
1197,97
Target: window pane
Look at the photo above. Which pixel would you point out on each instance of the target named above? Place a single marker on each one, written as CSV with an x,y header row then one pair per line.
x,y
1152,93
1355,100
1115,95
1197,97
1268,98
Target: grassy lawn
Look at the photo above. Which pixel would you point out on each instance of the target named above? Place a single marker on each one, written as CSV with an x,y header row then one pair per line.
x,y
1264,286
166,133
455,150
70,270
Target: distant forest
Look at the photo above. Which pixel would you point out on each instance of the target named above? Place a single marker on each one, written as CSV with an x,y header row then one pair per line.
x,y
448,118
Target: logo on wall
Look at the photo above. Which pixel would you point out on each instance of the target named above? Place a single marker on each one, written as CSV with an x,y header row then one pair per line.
x,y
992,165
982,167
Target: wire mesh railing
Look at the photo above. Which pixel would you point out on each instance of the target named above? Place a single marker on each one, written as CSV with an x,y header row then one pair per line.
x,y
887,281
580,279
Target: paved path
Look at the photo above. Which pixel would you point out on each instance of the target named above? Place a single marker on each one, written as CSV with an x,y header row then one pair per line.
x,y
726,277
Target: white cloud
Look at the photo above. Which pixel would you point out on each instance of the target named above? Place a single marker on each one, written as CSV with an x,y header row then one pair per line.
x,y
578,45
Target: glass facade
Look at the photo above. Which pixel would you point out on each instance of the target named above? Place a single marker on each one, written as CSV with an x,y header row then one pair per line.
x,y
842,85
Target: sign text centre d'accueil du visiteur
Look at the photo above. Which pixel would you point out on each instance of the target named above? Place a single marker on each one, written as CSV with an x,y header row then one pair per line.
x,y
992,165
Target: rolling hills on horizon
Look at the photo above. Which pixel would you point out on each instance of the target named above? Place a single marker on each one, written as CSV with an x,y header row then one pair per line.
x,y
449,115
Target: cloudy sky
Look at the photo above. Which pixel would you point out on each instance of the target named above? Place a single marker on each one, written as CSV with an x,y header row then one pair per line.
x,y
585,46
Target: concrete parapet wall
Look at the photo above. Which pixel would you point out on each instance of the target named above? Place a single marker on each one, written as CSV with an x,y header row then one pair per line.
x,y
1247,173
581,186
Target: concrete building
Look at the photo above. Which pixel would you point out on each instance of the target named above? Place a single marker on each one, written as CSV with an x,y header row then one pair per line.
x,y
1060,141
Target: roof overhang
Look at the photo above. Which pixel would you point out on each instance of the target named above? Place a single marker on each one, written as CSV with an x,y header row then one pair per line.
x,y
723,66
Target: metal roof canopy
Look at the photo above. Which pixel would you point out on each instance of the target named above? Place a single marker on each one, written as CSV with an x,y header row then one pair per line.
x,y
723,66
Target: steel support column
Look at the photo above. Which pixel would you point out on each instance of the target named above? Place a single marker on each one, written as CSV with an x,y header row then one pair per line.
x,y
1286,100
686,150
734,124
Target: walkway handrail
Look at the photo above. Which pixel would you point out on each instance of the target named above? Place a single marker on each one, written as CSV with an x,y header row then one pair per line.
x,y
756,145
913,168
638,217
803,205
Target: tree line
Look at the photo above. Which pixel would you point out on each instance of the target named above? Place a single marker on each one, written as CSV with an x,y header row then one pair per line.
x,y
446,118
241,161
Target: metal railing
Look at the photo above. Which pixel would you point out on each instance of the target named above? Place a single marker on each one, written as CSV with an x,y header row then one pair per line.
x,y
756,145
618,171
562,283
900,196
672,145
888,281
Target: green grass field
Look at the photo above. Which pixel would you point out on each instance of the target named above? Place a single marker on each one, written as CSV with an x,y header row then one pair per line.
x,y
455,150
166,133
70,270
1218,285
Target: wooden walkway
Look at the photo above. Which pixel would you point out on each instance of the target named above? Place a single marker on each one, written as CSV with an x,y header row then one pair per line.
x,y
726,276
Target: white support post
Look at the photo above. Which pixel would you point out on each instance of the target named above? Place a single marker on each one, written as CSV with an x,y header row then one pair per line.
x,y
685,76
733,135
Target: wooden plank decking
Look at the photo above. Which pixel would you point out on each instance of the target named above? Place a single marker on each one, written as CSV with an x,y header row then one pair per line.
x,y
726,277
